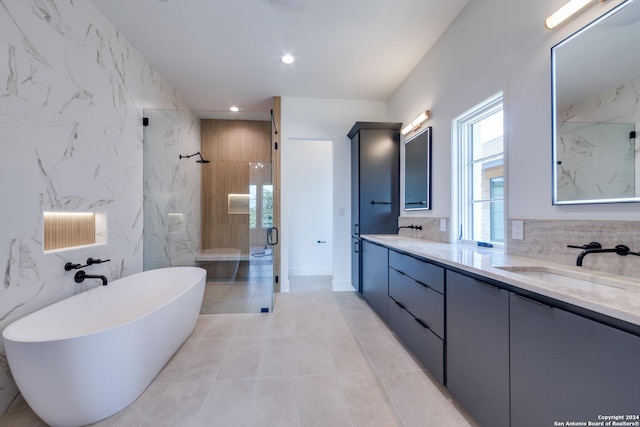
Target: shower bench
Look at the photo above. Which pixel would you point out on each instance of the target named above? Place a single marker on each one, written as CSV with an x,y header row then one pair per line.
x,y
220,263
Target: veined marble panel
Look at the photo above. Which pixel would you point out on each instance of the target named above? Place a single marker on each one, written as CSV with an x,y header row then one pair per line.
x,y
587,162
548,239
430,228
72,93
171,189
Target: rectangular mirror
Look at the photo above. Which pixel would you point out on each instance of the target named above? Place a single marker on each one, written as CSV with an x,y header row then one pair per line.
x,y
417,171
596,88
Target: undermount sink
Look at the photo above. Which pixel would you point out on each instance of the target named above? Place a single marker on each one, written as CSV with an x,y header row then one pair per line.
x,y
567,279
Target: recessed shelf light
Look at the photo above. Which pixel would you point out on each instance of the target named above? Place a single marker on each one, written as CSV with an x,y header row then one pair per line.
x,y
288,59
234,109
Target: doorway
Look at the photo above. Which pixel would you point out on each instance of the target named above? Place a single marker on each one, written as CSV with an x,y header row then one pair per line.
x,y
309,186
238,216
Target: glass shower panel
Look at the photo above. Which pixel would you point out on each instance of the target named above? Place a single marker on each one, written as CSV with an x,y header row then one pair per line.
x,y
171,207
260,265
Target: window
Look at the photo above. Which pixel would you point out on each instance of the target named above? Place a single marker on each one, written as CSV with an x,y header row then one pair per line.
x,y
479,163
261,208
252,206
267,205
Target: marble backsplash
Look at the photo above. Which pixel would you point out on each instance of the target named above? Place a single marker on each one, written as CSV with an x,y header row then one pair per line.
x,y
548,239
430,228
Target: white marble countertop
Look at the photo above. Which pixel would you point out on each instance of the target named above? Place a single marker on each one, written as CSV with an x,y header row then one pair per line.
x,y
614,296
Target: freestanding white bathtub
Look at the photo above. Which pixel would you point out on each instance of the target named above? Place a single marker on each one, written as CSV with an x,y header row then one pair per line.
x,y
87,357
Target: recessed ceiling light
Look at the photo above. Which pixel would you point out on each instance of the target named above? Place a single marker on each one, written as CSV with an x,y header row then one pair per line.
x,y
234,109
287,59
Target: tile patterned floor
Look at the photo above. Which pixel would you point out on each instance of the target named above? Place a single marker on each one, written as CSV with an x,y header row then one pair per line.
x,y
320,359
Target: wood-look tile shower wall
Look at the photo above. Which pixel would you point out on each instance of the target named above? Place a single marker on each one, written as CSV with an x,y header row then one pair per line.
x,y
230,145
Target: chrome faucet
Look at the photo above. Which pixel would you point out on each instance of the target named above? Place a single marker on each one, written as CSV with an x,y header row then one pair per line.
x,y
595,247
81,275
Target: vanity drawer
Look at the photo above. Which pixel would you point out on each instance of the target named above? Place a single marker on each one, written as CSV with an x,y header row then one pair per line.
x,y
428,274
420,300
426,346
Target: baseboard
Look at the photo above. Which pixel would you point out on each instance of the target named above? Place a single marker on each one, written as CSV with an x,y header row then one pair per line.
x,y
341,286
310,272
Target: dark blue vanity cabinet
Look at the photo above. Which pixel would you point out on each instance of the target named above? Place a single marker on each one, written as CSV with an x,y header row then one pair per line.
x,y
509,356
375,184
478,348
565,367
375,277
416,309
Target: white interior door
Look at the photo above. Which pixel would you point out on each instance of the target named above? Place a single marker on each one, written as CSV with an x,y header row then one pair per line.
x,y
310,207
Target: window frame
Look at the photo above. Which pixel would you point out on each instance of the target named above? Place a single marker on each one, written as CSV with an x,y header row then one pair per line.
x,y
463,163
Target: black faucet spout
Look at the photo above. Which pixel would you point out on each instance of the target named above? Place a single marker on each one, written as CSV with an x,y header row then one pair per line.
x,y
621,250
81,275
590,251
412,227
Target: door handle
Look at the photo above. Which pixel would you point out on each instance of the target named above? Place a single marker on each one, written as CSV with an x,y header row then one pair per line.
x,y
270,236
322,241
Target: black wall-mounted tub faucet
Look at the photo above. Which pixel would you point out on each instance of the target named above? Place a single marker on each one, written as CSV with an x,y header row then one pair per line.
x,y
81,275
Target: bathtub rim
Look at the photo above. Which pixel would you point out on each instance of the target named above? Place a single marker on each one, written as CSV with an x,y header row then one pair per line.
x,y
7,331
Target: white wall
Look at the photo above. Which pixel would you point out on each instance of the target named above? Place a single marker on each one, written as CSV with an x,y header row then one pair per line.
x,y
498,45
71,100
330,120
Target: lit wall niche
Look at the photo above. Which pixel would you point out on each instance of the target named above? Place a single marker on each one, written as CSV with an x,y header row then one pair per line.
x,y
64,230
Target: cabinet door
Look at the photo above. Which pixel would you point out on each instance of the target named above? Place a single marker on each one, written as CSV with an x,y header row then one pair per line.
x,y
379,181
355,263
375,277
355,185
477,340
565,367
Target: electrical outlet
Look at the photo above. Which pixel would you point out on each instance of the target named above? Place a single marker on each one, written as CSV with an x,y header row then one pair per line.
x,y
443,224
517,229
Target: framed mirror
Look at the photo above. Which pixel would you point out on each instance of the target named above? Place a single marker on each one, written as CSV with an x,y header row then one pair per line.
x,y
596,110
417,171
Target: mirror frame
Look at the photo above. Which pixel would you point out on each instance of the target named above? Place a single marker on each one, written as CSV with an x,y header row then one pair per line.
x,y
428,132
554,118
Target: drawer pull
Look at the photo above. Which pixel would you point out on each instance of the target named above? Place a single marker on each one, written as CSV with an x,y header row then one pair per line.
x,y
479,282
400,305
398,271
533,301
423,284
424,325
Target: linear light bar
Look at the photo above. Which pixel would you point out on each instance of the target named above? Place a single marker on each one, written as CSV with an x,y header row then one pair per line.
x,y
416,123
565,12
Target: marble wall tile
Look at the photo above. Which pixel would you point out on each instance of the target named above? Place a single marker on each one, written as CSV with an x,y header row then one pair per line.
x,y
548,239
72,94
430,228
598,156
171,189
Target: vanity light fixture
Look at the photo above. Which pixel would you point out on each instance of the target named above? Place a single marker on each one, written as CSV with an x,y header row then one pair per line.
x,y
287,59
416,123
234,109
565,12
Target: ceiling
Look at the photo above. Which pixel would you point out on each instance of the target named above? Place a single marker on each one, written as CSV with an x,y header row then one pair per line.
x,y
219,53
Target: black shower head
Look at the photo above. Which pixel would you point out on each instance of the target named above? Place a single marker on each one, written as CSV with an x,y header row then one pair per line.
x,y
202,160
